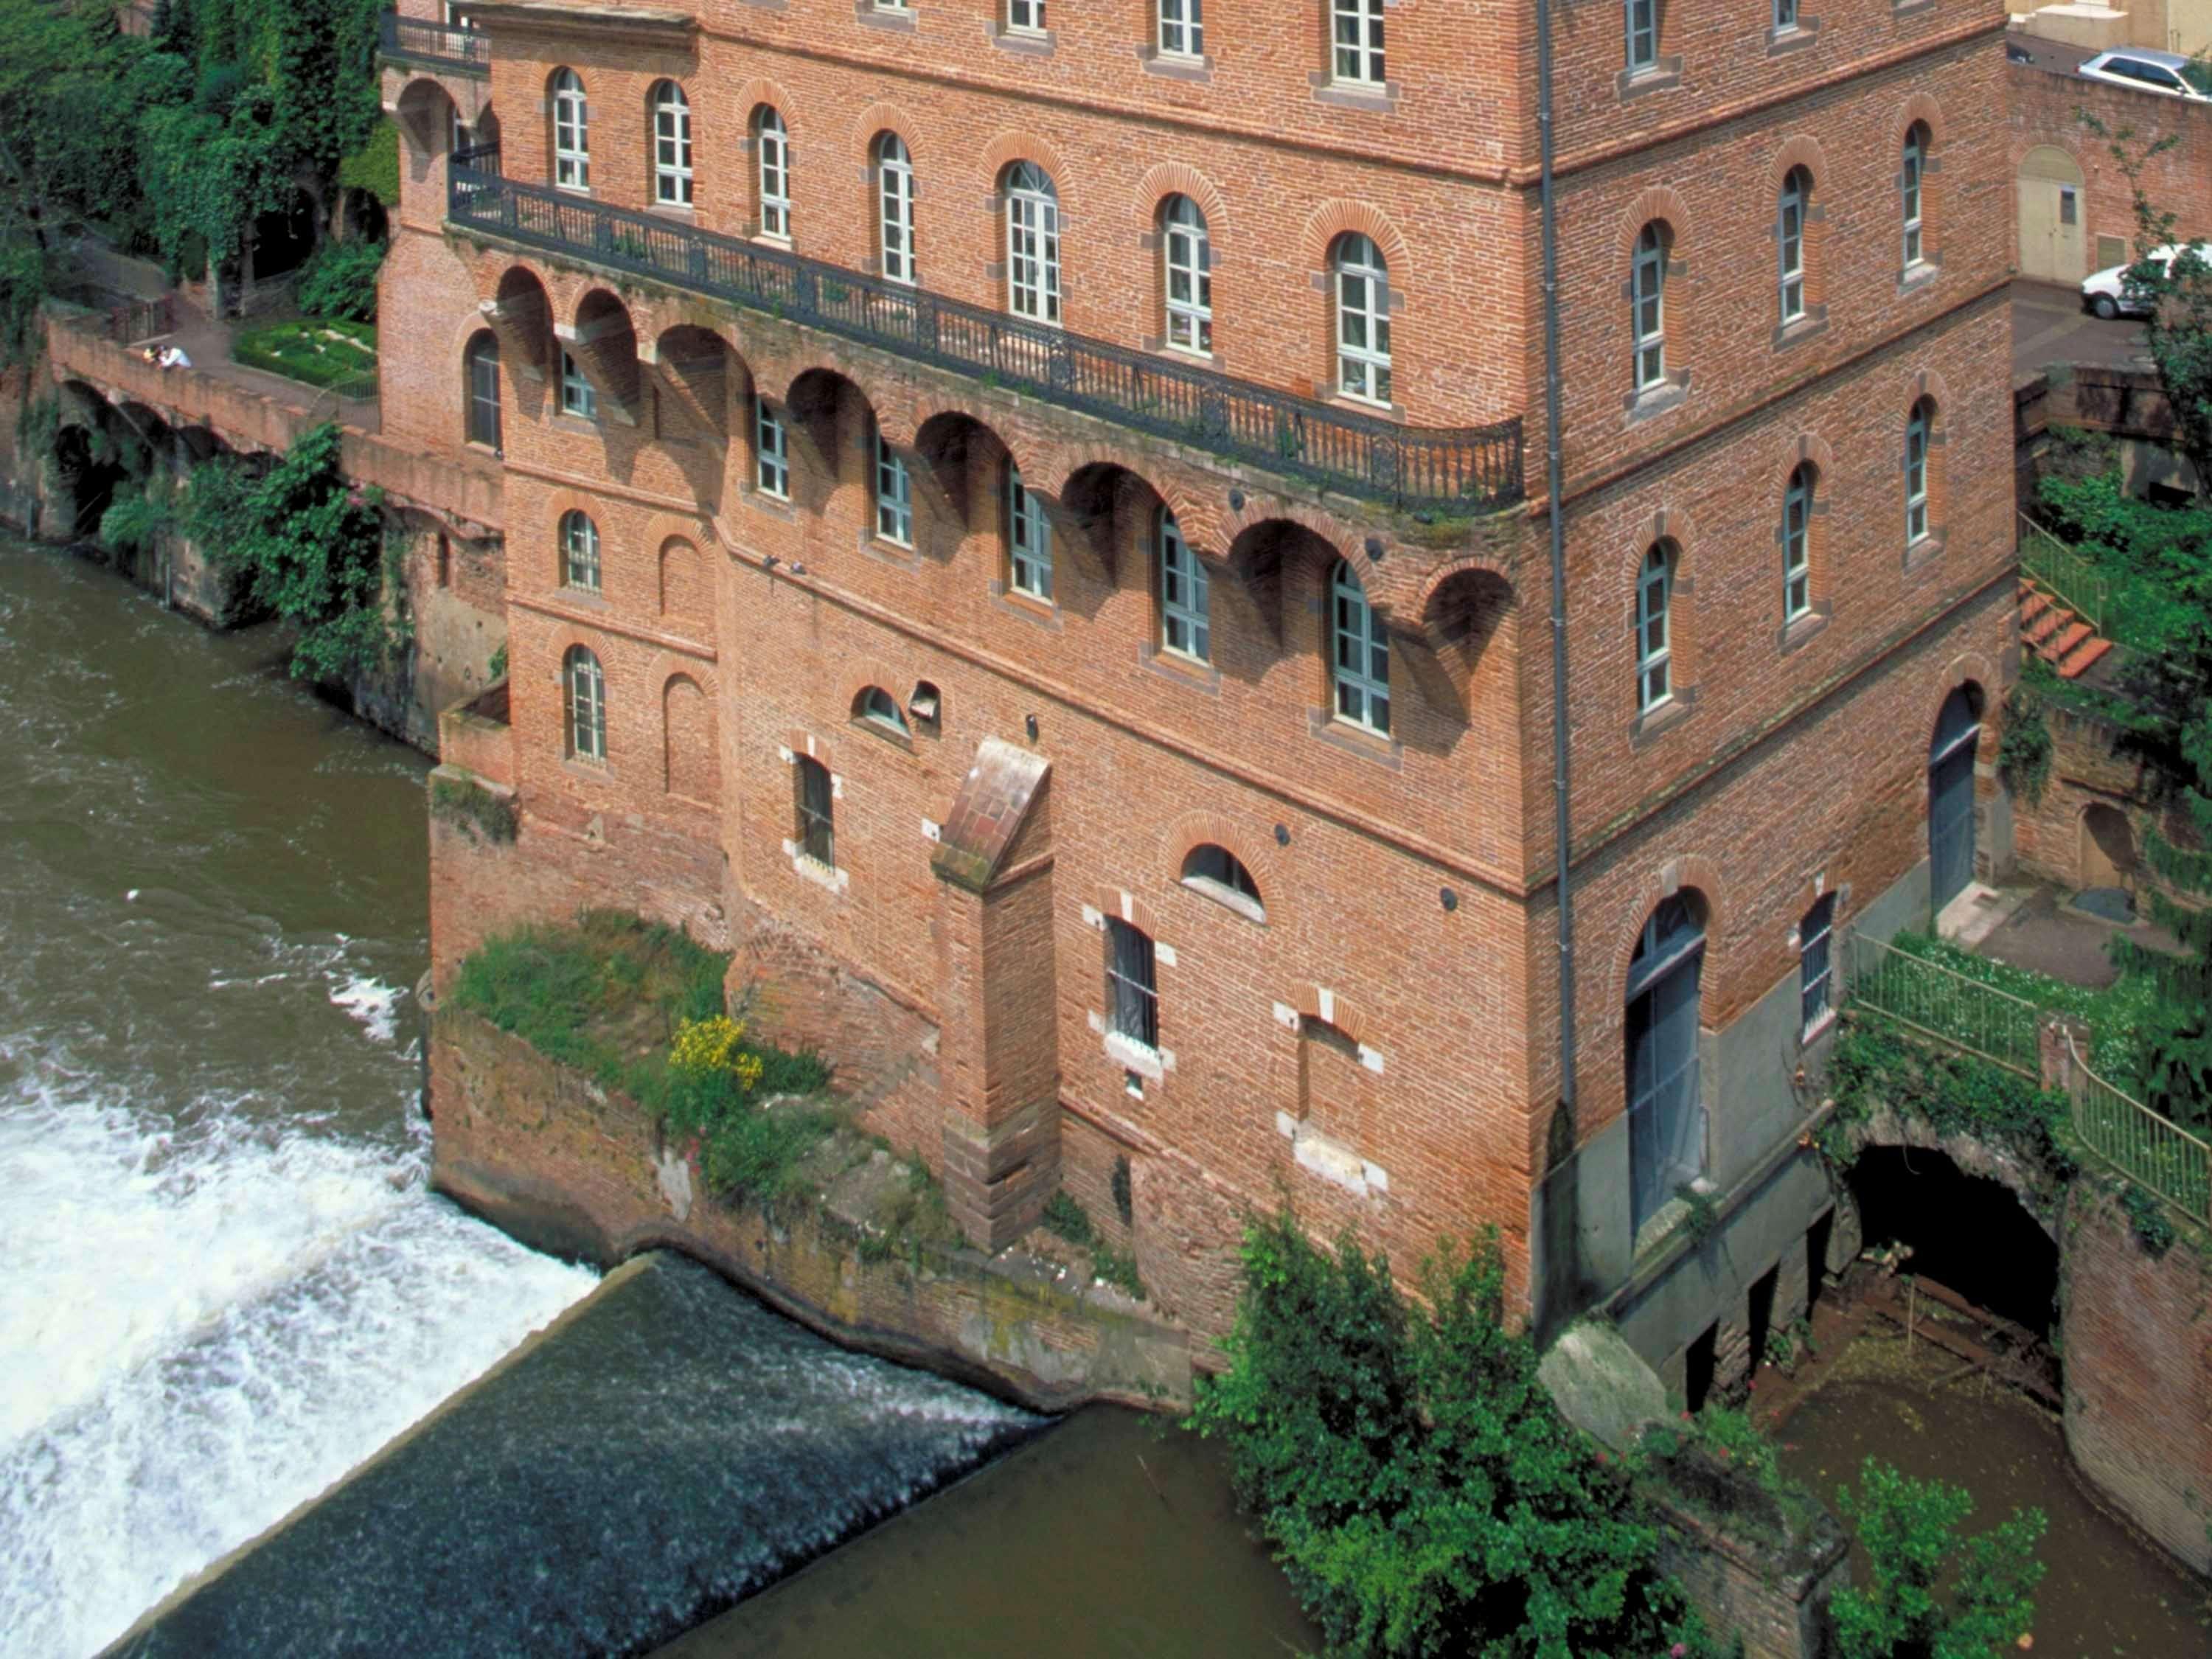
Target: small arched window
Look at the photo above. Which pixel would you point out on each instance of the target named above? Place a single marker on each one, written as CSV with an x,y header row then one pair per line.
x,y
895,208
1032,244
1797,543
580,552
1789,239
877,705
1654,603
772,165
672,146
1361,663
587,705
1188,252
1648,305
1221,875
571,132
1186,601
1918,429
1362,320
480,373
1910,181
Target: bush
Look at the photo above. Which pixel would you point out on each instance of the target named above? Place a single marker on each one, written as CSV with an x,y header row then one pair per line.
x,y
339,280
1909,1530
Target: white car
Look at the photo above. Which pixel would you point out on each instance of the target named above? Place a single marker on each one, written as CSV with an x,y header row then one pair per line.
x,y
2167,73
2112,293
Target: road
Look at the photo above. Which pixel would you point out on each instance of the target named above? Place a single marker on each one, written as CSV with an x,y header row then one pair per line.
x,y
2050,326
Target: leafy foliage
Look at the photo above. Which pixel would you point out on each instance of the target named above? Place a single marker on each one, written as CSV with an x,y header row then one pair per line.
x,y
1871,1066
2146,1217
341,356
339,280
473,809
374,166
2025,751
1931,1593
135,518
1416,1483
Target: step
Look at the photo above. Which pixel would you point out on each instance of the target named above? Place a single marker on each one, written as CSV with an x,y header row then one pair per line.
x,y
2051,621
2034,602
2054,650
2084,657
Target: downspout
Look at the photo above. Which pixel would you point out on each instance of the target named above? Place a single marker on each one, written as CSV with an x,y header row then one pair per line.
x,y
1556,485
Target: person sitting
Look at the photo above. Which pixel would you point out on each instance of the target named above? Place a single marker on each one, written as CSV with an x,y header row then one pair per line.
x,y
174,357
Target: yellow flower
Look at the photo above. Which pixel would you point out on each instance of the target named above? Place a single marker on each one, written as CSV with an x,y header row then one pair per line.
x,y
705,1046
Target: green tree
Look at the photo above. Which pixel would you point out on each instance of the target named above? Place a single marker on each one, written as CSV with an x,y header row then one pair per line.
x,y
1931,1593
1419,1487
66,78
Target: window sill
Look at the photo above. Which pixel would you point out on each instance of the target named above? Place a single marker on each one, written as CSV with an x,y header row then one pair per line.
x,y
1228,898
1176,66
1911,8
880,17
822,875
1377,746
1665,75
1176,354
1924,552
1201,677
591,598
1655,722
1795,634
1810,326
1800,36
1656,400
683,213
1337,397
781,243
1034,43
776,506
572,190
883,733
1919,276
1150,1064
901,554
1038,613
1821,1025
1363,95
565,421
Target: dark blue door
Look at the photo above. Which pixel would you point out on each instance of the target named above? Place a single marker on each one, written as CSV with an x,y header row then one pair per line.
x,y
1666,1113
1951,798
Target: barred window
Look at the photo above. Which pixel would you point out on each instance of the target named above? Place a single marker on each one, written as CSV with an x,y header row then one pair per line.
x,y
1815,965
1132,991
580,552
816,800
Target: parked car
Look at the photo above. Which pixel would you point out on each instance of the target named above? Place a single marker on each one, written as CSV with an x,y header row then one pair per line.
x,y
2167,73
2115,292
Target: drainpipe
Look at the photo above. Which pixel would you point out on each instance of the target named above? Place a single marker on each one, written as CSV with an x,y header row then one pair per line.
x,y
1556,485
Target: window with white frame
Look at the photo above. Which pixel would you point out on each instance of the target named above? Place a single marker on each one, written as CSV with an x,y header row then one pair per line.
x,y
1654,603
1362,320
877,705
772,156
1358,33
1025,17
1182,28
580,552
1909,183
577,396
1032,244
771,451
1916,473
894,494
672,146
1785,16
587,705
482,360
1360,662
1186,605
1133,993
895,208
572,133
1029,540
1642,22
1789,240
815,799
1816,977
1188,251
1648,305
1797,544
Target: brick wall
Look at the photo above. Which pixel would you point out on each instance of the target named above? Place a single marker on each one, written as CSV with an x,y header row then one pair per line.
x,y
2046,108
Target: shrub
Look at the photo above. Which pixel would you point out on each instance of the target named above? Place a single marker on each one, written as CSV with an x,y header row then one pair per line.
x,y
1931,1593
339,280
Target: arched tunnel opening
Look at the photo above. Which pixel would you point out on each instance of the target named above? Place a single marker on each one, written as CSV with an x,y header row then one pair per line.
x,y
90,472
1967,1233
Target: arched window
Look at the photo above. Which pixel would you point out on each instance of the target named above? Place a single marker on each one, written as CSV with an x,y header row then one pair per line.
x,y
1917,426
1359,41
580,552
895,208
1654,603
1643,25
1362,320
1360,666
1648,305
879,705
1132,992
1789,239
1188,251
1032,244
572,133
1186,605
1666,1116
1221,875
815,798
1797,542
1028,539
587,705
772,161
480,375
1910,179
672,146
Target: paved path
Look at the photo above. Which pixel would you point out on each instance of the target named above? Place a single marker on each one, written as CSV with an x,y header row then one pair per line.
x,y
2050,326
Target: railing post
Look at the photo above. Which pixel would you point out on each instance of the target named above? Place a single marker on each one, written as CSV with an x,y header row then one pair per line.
x,y
2058,1039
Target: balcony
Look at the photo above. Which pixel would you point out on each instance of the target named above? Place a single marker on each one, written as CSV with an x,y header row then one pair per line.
x,y
439,47
1429,473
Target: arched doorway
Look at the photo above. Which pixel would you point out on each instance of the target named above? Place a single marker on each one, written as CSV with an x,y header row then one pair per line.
x,y
2108,850
2051,204
1666,1109
1951,796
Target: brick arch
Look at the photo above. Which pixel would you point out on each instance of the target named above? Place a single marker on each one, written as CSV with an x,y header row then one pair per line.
x,y
1035,463
1180,179
1200,828
1806,447
467,328
591,288
872,671
1018,144
1968,668
1928,383
1339,217
1690,871
1801,151
1319,1002
1197,519
1485,562
684,586
690,777
1670,524
765,90
1106,901
1923,107
1345,540
1655,201
885,117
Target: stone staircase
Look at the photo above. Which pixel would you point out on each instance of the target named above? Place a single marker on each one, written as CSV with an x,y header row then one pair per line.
x,y
2055,634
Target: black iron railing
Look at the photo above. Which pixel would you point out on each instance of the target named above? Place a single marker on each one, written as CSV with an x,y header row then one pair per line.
x,y
1449,470
436,46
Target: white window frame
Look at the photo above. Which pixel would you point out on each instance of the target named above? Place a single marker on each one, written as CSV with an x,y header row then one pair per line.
x,y
1032,244
895,209
1912,183
580,552
672,146
1360,282
1785,16
1182,28
1186,255
1640,23
572,133
771,451
772,161
894,493
1797,544
1133,984
1789,251
1029,540
1916,475
1816,985
1186,594
1356,54
1359,659
578,396
1655,630
587,705
1025,17
1648,307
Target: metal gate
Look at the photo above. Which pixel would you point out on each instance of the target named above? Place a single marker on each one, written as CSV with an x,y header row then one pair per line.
x,y
1951,799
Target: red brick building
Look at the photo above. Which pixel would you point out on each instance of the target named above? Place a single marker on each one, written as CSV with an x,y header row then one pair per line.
x,y
1018,520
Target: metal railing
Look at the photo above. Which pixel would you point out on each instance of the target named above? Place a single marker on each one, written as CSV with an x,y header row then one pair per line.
x,y
1439,471
2148,1149
436,46
2063,573
141,319
1939,1002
